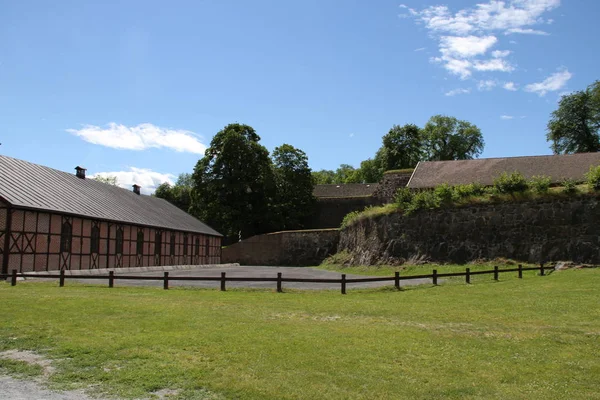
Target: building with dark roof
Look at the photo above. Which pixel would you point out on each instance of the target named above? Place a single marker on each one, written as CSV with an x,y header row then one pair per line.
x,y
344,190
429,174
53,220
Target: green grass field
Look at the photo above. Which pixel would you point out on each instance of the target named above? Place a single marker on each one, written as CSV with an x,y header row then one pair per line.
x,y
535,338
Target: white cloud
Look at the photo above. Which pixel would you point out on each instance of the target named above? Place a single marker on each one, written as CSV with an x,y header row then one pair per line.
x,y
149,180
494,64
486,85
465,47
466,36
458,91
528,31
500,53
510,86
553,83
421,49
140,137
351,135
506,117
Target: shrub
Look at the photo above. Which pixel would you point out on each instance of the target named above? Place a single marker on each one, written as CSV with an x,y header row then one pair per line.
x,y
593,177
513,183
570,186
539,184
470,190
445,193
349,218
424,200
403,197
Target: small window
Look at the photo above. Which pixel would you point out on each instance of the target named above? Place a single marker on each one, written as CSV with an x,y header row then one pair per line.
x,y
185,245
158,243
119,249
172,245
197,247
206,252
140,242
66,237
95,240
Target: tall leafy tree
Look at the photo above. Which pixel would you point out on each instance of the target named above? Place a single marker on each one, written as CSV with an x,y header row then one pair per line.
x,y
323,177
178,194
108,179
402,147
294,200
233,183
574,126
447,138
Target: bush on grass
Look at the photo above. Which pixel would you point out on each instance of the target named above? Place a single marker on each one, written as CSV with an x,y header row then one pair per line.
x,y
510,183
539,184
593,178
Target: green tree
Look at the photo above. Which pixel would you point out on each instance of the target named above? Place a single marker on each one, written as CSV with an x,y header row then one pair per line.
x,y
294,200
344,174
323,177
233,183
574,126
402,147
178,194
447,138
108,179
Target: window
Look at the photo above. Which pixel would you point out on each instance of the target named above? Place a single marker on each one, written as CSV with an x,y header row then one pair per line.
x,y
197,249
172,245
119,249
185,245
66,237
95,239
206,248
158,243
140,242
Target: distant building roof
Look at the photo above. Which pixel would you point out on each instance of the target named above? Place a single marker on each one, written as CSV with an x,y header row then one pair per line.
x,y
27,185
345,190
429,174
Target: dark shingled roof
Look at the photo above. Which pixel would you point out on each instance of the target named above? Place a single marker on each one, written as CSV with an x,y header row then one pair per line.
x,y
27,185
429,174
345,190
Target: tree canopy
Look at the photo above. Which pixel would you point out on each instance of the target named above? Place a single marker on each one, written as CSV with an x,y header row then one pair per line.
x,y
574,126
108,179
447,138
178,194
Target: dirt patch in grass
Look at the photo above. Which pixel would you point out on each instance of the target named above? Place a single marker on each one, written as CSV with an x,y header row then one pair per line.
x,y
30,358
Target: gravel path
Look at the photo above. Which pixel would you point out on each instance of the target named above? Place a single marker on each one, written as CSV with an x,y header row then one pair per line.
x,y
250,271
14,389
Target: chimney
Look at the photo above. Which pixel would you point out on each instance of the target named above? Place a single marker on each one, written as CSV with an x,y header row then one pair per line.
x,y
80,172
136,189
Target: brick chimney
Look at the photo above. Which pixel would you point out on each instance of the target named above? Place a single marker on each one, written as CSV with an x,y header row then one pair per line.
x,y
136,189
80,172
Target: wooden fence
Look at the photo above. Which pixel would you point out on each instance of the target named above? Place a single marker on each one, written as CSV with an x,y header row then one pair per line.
x,y
223,279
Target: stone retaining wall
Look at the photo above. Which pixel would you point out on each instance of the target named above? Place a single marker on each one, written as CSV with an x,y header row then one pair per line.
x,y
533,231
290,248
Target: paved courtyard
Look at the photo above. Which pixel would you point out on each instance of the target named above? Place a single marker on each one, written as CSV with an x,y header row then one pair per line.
x,y
245,272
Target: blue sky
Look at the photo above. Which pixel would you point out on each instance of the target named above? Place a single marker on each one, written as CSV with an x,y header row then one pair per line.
x,y
138,88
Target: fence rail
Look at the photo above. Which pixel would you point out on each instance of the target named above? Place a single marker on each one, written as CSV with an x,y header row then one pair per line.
x,y
223,279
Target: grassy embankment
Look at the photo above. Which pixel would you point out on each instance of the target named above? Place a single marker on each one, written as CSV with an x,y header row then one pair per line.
x,y
535,338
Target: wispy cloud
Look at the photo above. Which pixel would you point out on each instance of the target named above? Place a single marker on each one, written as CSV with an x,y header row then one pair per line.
x,y
466,37
511,86
149,180
528,31
421,49
486,85
454,92
506,117
140,137
553,83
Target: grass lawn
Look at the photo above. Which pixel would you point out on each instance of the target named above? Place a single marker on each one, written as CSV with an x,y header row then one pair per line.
x,y
535,338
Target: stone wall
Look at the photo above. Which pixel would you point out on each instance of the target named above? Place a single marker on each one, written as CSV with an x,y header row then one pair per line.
x,y
330,211
298,248
532,231
388,186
